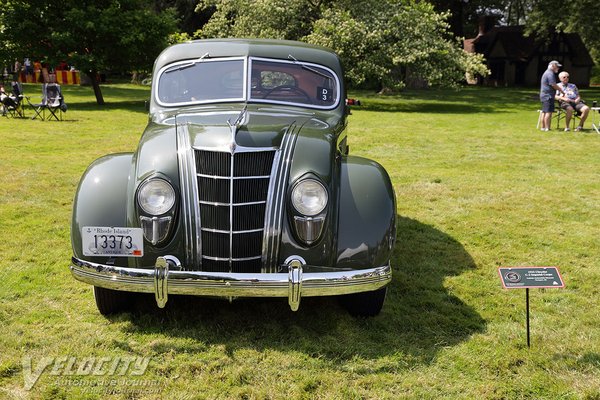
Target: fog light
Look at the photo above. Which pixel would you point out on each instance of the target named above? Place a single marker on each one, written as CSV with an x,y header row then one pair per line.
x,y
155,228
308,228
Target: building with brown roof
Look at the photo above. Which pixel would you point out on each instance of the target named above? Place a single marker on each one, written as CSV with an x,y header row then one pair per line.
x,y
516,59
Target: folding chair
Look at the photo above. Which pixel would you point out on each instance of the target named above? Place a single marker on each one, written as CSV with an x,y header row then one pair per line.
x,y
52,101
13,103
562,114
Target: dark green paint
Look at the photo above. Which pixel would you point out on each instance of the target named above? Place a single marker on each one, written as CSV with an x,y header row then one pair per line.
x,y
360,223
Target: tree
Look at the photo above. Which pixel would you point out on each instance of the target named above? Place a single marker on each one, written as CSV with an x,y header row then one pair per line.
x,y
275,19
464,15
189,21
121,35
582,17
389,43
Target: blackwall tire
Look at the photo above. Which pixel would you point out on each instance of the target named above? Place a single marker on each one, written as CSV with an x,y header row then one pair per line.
x,y
365,304
111,301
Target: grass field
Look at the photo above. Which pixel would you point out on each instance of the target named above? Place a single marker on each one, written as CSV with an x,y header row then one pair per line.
x,y
477,188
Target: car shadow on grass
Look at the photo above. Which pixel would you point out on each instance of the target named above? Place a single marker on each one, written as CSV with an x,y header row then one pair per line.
x,y
419,317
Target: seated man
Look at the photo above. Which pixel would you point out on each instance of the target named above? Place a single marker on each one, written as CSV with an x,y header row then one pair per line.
x,y
570,101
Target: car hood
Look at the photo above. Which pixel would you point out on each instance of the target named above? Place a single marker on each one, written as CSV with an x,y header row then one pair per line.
x,y
257,128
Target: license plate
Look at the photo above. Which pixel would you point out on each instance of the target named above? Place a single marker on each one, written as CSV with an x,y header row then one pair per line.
x,y
112,241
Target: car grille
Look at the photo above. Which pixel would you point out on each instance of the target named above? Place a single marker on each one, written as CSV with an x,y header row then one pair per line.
x,y
232,195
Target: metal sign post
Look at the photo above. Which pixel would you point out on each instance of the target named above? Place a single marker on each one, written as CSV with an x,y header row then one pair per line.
x,y
528,330
530,277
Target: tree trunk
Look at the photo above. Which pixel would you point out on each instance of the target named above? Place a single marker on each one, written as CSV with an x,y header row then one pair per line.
x,y
96,85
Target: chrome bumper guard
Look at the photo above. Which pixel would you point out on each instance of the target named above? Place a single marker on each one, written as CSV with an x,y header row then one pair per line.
x,y
167,278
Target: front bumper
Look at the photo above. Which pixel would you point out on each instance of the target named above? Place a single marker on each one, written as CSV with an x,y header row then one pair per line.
x,y
167,278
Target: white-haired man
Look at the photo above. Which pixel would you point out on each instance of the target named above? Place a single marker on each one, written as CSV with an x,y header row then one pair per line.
x,y
548,88
571,101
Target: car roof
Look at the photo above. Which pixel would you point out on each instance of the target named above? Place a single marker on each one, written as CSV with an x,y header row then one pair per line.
x,y
268,48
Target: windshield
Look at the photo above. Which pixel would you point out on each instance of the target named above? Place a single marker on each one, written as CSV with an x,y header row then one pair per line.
x,y
271,81
292,83
202,81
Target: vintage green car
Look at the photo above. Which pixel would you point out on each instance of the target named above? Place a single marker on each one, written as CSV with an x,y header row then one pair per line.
x,y
241,186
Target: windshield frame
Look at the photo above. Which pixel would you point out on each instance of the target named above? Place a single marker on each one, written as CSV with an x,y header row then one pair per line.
x,y
246,90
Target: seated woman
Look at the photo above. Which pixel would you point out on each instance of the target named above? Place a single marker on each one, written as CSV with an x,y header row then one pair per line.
x,y
571,101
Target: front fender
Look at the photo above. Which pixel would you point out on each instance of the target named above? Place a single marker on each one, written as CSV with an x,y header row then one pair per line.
x,y
101,197
367,214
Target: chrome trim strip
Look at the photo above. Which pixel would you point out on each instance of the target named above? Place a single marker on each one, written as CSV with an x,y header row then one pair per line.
x,y
189,197
232,259
229,177
234,232
238,149
268,233
232,146
276,200
226,284
250,203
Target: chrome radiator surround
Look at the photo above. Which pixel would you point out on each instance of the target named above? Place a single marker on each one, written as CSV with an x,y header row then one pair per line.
x,y
196,228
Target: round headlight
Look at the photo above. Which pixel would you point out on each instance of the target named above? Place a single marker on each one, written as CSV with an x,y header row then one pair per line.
x,y
156,196
309,197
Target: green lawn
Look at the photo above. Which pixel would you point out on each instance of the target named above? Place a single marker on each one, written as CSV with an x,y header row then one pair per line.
x,y
477,188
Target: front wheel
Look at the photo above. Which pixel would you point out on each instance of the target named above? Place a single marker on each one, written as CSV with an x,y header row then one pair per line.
x,y
111,301
365,304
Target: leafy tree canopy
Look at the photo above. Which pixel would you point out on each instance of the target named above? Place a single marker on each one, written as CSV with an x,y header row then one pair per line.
x,y
582,17
389,43
100,35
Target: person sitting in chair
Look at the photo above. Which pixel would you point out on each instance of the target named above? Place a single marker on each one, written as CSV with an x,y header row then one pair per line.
x,y
6,102
3,96
571,101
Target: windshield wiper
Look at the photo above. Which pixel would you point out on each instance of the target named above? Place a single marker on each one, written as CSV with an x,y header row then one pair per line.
x,y
306,67
188,65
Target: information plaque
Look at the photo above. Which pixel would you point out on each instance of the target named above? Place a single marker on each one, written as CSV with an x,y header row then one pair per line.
x,y
530,277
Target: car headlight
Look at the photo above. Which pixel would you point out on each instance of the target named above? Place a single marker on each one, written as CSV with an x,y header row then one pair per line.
x,y
309,197
156,196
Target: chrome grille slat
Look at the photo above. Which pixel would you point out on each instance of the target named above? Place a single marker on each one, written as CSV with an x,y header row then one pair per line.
x,y
233,259
210,203
235,177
